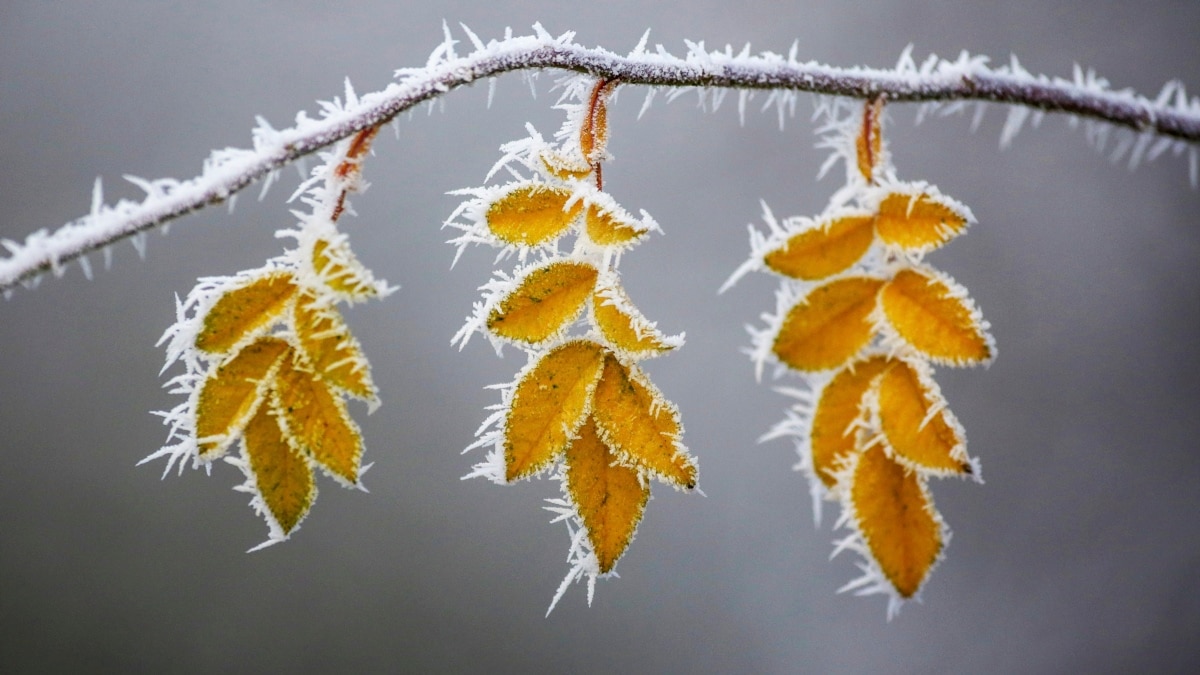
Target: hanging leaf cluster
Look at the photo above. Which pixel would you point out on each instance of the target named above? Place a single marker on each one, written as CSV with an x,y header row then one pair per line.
x,y
863,320
582,411
271,361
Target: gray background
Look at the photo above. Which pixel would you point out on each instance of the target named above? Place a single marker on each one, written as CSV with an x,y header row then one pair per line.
x,y
1081,552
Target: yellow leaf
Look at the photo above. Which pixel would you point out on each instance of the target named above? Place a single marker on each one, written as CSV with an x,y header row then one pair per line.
x,y
548,298
919,222
316,421
564,168
335,355
831,434
936,318
284,478
340,270
894,513
826,248
640,425
532,214
917,426
244,310
829,326
610,498
625,328
606,228
549,405
231,393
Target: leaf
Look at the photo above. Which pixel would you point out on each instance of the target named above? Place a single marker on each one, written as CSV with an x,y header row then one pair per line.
x,y
894,513
935,316
316,421
546,300
593,133
283,477
920,222
244,310
608,228
825,248
829,326
868,144
832,435
625,328
335,355
916,424
549,405
640,425
531,214
339,269
564,168
231,393
610,497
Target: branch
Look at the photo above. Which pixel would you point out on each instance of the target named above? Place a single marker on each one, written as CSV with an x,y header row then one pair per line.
x,y
1171,117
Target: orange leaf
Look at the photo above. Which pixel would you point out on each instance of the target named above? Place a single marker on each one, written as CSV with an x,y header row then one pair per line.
x,y
916,424
340,270
610,497
244,310
283,477
919,222
825,248
829,326
532,214
316,421
548,298
549,405
640,425
624,326
231,393
869,142
832,436
593,133
564,168
336,356
606,228
936,318
894,513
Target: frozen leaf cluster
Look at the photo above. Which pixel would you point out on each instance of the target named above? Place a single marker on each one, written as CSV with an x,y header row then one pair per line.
x,y
270,362
582,410
863,320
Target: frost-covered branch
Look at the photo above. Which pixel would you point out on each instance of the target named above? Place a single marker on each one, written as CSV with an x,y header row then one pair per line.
x,y
1169,120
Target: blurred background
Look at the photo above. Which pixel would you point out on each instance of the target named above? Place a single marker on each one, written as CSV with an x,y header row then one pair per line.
x,y
1080,552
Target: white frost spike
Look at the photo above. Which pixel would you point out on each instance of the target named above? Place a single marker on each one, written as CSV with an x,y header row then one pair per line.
x,y
1012,125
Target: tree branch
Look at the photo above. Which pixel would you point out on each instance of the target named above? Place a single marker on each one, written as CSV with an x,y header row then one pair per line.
x,y
1171,118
